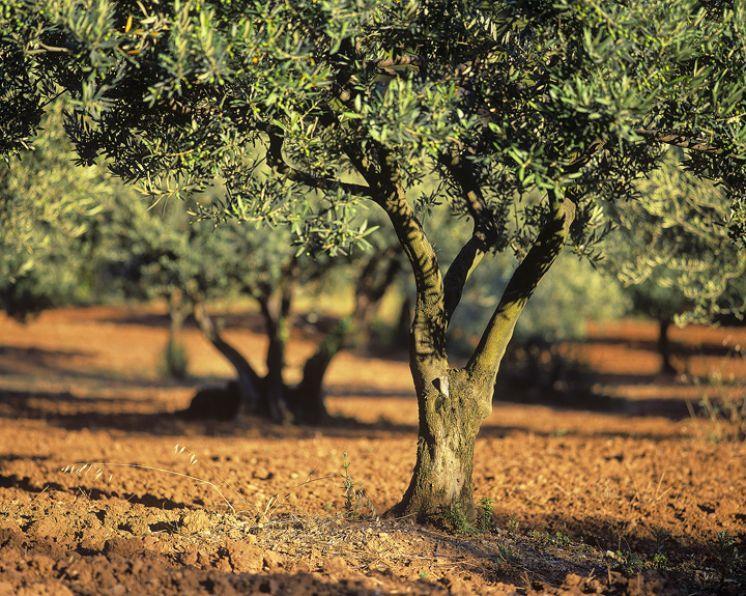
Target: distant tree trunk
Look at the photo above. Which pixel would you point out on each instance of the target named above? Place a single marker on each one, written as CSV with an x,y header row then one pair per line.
x,y
249,383
177,314
308,399
403,322
375,278
270,396
275,308
175,358
664,347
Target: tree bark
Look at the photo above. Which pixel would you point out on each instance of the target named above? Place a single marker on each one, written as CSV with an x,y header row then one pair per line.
x,y
454,402
451,413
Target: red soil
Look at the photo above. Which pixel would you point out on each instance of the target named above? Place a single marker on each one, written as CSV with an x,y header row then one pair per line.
x,y
633,493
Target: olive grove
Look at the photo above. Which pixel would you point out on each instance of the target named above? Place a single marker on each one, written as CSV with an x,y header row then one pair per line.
x,y
536,119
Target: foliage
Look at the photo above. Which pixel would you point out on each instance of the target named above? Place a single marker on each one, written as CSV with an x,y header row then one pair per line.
x,y
47,207
25,87
673,251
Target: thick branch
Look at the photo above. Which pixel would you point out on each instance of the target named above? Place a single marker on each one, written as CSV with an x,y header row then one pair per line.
x,y
548,244
375,278
466,261
376,165
429,325
277,161
484,235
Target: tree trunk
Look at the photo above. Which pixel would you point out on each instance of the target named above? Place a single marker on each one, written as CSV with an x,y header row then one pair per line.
x,y
309,404
375,278
452,408
177,313
175,361
249,383
275,310
664,347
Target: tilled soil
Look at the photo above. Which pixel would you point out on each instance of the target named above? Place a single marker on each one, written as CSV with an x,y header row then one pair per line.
x,y
103,490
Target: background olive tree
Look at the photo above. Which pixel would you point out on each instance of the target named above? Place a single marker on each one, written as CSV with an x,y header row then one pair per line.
x,y
675,255
162,252
47,211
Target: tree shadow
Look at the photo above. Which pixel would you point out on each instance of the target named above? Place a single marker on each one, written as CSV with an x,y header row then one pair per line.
x,y
46,363
13,357
35,405
95,494
545,550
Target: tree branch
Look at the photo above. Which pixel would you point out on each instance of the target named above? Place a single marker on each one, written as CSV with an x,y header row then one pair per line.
x,y
249,381
429,325
484,235
375,278
548,244
678,140
276,160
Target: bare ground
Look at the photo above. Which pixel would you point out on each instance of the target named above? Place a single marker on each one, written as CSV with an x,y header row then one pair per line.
x,y
642,492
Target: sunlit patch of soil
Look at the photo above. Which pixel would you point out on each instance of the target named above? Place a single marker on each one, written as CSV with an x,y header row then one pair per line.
x,y
642,495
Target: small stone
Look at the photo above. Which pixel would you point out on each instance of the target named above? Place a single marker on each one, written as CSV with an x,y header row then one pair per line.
x,y
263,474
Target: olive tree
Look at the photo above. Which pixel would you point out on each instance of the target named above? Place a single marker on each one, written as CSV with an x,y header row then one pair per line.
x,y
159,253
536,117
47,209
674,254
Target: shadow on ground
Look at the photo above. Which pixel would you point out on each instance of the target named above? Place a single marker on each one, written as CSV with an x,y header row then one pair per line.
x,y
69,412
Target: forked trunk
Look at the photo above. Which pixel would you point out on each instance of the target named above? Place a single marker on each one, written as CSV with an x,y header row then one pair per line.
x,y
451,412
249,383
